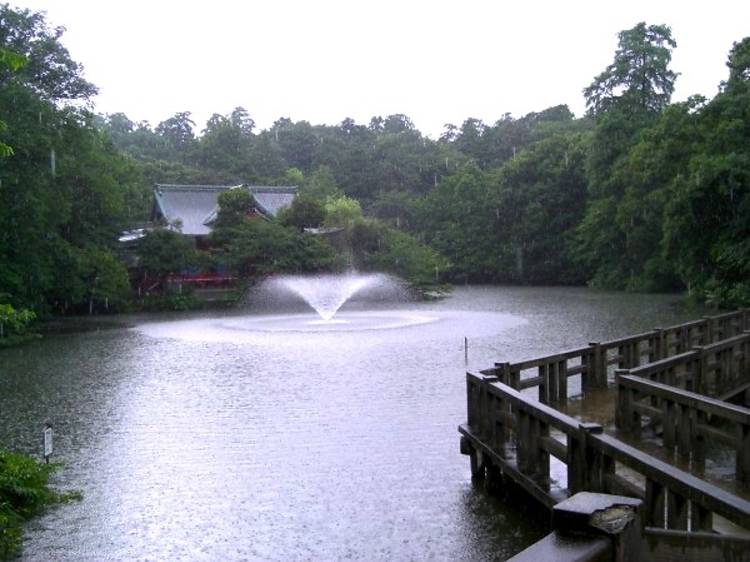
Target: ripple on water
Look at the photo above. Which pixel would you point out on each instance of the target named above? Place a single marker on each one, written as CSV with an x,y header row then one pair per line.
x,y
298,328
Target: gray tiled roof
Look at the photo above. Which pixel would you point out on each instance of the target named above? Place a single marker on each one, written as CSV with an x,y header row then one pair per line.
x,y
273,199
195,206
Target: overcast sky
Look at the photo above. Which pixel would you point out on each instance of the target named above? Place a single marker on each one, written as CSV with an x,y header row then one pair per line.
x,y
323,60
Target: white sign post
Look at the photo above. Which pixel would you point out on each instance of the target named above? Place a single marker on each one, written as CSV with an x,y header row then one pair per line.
x,y
47,442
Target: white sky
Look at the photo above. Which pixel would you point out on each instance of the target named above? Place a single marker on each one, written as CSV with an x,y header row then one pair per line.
x,y
323,60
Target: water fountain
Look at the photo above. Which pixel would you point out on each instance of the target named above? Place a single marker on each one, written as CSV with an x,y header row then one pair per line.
x,y
326,294
336,308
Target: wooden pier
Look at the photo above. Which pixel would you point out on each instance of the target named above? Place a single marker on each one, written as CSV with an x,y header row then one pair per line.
x,y
671,384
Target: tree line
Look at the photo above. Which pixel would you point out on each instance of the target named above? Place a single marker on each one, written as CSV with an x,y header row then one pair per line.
x,y
639,193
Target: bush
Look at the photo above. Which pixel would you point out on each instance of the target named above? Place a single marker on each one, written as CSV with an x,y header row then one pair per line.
x,y
24,493
14,321
166,302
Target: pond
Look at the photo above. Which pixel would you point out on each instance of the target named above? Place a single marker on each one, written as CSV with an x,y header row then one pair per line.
x,y
235,437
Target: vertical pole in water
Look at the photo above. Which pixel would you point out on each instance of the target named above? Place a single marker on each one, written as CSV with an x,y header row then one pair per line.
x,y
47,441
466,351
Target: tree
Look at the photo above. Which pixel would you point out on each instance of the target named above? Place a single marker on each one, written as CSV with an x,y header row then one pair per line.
x,y
707,228
639,76
459,220
538,207
106,277
178,131
163,251
304,212
625,100
225,145
342,212
12,62
235,205
398,208
321,185
49,71
260,247
403,255
242,121
14,321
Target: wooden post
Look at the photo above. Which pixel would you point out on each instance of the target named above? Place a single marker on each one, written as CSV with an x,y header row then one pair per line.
x,y
523,441
587,372
542,458
743,454
491,417
697,441
481,409
580,459
515,379
708,332
677,511
543,372
553,382
656,346
471,400
503,372
598,371
655,493
562,381
701,371
477,464
701,519
493,477
669,434
623,405
685,428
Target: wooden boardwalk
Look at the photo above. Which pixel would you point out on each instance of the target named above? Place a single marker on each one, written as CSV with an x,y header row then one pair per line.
x,y
670,383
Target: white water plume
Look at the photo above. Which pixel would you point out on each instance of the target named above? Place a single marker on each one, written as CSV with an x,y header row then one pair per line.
x,y
326,294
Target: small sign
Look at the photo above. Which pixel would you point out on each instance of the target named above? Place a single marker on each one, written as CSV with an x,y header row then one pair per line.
x,y
47,442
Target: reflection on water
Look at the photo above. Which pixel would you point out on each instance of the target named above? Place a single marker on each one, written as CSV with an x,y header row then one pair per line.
x,y
212,438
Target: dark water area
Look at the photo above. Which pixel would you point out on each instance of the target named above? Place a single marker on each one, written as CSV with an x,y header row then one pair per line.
x,y
239,436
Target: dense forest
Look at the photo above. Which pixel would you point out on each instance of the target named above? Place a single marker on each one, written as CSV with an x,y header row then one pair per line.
x,y
639,194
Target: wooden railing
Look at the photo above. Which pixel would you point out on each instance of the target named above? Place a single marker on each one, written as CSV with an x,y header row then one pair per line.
x,y
597,361
516,435
687,419
716,369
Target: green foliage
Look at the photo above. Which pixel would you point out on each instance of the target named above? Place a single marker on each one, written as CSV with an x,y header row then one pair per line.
x,y
163,251
235,205
342,212
169,302
304,212
14,321
178,132
397,208
294,176
106,277
617,240
48,72
321,185
260,247
9,61
24,493
538,208
639,76
459,220
403,255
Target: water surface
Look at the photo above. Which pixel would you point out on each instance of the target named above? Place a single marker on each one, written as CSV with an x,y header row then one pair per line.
x,y
223,437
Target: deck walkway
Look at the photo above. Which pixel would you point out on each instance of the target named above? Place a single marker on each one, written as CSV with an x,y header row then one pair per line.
x,y
643,416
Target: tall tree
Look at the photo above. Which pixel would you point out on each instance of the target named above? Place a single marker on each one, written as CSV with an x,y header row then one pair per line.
x,y
639,75
49,71
624,99
707,224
